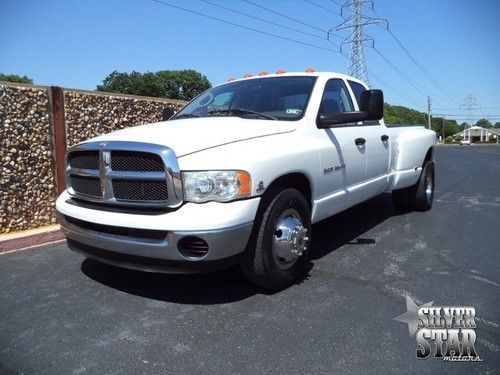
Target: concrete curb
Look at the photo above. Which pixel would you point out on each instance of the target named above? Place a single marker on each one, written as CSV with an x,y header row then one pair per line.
x,y
30,238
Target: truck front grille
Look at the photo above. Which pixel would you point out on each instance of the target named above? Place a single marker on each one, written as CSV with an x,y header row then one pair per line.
x,y
136,161
124,173
84,159
87,186
140,190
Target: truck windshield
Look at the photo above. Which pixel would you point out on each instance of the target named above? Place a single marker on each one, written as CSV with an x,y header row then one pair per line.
x,y
274,98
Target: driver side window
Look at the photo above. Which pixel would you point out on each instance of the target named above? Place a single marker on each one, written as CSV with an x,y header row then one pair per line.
x,y
335,98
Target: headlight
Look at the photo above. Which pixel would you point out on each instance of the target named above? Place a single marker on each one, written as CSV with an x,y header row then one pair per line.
x,y
219,186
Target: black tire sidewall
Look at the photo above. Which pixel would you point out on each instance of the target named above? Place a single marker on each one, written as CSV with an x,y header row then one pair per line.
x,y
418,192
285,199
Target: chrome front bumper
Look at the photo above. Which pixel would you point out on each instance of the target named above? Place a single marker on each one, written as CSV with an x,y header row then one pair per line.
x,y
154,251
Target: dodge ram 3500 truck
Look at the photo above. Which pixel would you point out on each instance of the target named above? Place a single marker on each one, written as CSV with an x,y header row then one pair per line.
x,y
239,175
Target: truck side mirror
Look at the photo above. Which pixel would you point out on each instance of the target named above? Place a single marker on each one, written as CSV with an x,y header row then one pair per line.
x,y
371,108
372,102
167,113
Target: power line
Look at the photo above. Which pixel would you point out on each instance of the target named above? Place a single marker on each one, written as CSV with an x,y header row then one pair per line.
x,y
387,85
384,83
285,16
434,81
467,117
244,27
461,109
401,73
419,66
263,20
324,8
332,1
390,87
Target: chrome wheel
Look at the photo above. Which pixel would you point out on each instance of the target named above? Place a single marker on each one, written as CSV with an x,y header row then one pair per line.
x,y
289,239
429,188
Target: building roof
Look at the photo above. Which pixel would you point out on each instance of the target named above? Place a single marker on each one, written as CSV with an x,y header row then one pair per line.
x,y
476,131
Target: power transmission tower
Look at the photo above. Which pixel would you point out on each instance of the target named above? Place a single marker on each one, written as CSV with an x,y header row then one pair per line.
x,y
470,105
356,22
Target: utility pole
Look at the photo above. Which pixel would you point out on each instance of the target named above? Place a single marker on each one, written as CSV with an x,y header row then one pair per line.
x,y
356,22
428,112
443,128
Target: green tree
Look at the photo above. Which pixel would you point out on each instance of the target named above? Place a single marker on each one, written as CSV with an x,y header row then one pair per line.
x,y
445,127
484,123
15,78
394,114
173,84
497,125
398,115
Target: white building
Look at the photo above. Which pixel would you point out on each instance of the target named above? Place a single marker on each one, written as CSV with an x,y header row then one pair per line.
x,y
478,134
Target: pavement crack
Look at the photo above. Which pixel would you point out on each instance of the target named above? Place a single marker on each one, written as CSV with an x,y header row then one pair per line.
x,y
448,264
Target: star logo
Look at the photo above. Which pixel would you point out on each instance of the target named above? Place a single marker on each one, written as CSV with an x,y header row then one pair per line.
x,y
410,317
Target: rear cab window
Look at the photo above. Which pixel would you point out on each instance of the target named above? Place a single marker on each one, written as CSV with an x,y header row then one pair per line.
x,y
357,89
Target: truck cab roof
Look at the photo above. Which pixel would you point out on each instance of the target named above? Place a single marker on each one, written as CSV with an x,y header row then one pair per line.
x,y
325,75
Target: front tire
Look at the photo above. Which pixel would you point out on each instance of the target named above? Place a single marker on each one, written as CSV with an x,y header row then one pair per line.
x,y
279,248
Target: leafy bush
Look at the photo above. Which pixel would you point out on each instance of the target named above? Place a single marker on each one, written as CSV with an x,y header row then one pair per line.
x,y
15,78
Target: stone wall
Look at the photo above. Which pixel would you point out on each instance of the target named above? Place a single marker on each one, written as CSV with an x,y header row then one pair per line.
x,y
26,177
27,147
89,114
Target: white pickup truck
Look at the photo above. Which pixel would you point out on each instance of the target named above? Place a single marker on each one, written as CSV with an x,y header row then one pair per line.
x,y
239,175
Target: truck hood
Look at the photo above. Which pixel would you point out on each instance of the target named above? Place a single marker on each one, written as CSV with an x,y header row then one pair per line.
x,y
187,136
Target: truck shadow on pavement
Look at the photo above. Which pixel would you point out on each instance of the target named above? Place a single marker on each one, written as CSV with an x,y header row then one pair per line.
x,y
230,285
200,289
348,227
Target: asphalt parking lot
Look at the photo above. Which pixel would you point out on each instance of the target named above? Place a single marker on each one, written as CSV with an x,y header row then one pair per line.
x,y
61,313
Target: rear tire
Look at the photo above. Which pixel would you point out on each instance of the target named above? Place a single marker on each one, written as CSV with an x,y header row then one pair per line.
x,y
279,248
422,193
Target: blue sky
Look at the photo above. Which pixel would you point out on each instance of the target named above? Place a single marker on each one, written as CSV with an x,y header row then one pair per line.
x,y
78,43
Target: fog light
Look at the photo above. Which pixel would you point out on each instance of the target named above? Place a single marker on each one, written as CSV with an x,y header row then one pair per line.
x,y
192,247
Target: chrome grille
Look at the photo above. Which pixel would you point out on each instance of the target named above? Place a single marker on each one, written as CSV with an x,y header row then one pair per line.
x,y
136,161
88,186
140,190
124,173
84,159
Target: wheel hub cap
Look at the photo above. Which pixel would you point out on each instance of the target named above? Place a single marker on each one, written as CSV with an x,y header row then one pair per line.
x,y
290,239
428,189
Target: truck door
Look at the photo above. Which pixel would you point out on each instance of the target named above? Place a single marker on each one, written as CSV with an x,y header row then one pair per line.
x,y
377,147
343,162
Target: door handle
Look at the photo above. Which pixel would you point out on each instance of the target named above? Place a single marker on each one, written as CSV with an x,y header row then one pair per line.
x,y
384,138
360,141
